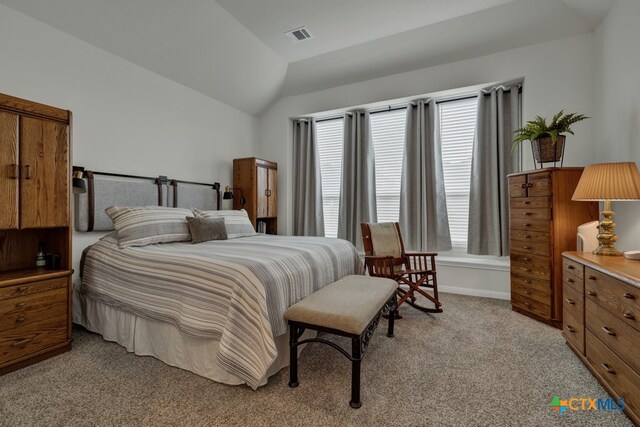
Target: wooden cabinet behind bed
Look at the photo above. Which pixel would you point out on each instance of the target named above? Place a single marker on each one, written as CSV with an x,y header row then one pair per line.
x,y
35,181
256,180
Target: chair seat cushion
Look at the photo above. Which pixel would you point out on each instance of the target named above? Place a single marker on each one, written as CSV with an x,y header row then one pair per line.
x,y
347,305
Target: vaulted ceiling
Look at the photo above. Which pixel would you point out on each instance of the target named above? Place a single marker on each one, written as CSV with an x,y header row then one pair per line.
x,y
235,50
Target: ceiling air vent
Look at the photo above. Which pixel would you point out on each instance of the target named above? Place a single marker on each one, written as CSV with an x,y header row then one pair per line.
x,y
298,35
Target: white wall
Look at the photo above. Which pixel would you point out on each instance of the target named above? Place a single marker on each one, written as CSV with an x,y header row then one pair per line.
x,y
617,118
558,75
126,119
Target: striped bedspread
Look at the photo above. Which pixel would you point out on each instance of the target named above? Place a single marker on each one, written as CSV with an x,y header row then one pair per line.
x,y
233,290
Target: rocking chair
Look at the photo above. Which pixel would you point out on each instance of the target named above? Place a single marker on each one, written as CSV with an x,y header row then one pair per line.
x,y
414,271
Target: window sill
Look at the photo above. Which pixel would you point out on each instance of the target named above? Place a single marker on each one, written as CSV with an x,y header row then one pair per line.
x,y
460,259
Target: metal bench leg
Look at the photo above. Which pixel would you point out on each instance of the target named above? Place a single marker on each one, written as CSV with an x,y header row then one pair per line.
x,y
356,355
393,312
293,356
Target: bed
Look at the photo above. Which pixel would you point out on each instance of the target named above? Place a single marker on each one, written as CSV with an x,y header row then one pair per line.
x,y
213,308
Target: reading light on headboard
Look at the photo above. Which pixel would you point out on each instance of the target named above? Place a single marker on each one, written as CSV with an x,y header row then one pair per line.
x,y
79,186
228,195
607,182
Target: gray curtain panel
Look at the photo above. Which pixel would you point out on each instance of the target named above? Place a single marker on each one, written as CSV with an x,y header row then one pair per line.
x,y
358,186
308,219
423,208
499,116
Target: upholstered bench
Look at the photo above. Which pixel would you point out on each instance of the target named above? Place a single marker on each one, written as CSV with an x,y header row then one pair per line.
x,y
350,307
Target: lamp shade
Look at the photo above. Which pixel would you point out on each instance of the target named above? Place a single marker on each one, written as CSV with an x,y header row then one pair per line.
x,y
609,181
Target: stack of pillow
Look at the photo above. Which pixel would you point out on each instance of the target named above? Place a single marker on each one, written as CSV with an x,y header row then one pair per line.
x,y
147,225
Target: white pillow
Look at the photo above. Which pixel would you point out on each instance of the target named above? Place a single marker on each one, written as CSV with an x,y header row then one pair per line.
x,y
237,223
146,225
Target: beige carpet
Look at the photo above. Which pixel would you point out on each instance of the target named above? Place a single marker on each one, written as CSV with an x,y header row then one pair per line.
x,y
476,364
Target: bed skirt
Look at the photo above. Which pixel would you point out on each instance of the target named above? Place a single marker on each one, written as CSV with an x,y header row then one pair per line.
x,y
164,341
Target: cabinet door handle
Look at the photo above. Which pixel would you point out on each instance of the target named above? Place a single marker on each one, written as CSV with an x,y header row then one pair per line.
x,y
570,329
28,173
529,185
571,267
629,316
629,295
569,280
523,185
608,369
592,293
570,301
14,171
608,331
592,277
21,342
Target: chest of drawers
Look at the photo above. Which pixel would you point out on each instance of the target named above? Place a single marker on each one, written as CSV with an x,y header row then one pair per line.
x,y
602,326
543,221
34,318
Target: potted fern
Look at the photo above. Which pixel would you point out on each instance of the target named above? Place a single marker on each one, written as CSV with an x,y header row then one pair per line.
x,y
547,139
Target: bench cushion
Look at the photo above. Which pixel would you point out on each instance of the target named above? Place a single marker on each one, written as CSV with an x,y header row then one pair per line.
x,y
347,305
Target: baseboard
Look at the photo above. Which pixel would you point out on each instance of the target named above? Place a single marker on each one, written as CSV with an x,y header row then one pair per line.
x,y
475,292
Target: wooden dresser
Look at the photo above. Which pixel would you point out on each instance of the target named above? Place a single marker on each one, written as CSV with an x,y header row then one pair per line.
x,y
543,222
602,321
35,181
257,181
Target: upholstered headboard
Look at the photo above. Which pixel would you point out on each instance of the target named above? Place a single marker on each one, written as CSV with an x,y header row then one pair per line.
x,y
108,189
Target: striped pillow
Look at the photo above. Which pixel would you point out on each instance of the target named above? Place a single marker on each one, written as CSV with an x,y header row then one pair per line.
x,y
146,225
237,223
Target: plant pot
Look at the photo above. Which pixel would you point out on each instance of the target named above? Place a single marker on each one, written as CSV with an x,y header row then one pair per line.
x,y
544,150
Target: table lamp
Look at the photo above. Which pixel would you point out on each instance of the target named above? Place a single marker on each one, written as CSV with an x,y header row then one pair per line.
x,y
607,182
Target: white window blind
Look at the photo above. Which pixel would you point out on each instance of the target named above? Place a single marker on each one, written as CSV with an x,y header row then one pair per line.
x,y
387,131
457,129
330,136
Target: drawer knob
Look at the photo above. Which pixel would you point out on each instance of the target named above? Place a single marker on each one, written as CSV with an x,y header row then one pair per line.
x,y
526,258
629,316
527,236
529,185
608,369
569,280
528,213
528,270
629,295
21,304
21,289
527,281
608,331
571,329
527,225
21,342
526,202
527,292
570,301
526,247
528,304
21,319
592,277
571,267
592,293
524,186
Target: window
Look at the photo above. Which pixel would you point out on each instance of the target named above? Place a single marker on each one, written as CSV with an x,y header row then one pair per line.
x,y
387,132
330,136
457,129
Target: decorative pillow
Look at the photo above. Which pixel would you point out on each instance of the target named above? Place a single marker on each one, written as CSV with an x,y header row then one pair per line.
x,y
205,229
146,225
237,223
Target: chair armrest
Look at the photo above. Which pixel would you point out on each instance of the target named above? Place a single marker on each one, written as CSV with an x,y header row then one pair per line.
x,y
421,253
